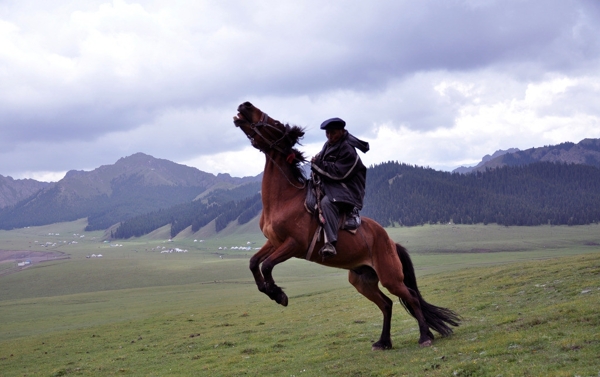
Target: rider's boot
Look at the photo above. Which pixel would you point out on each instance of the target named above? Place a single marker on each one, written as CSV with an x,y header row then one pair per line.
x,y
352,220
328,250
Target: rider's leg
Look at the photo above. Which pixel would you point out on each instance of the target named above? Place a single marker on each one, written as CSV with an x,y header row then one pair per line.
x,y
331,213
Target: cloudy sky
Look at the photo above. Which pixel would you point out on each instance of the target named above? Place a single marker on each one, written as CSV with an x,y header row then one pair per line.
x,y
430,83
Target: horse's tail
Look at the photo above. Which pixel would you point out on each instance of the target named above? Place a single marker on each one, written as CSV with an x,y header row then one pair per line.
x,y
437,318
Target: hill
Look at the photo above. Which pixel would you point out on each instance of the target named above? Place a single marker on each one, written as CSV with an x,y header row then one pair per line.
x,y
534,194
529,308
586,152
551,185
13,191
112,193
401,194
194,215
484,160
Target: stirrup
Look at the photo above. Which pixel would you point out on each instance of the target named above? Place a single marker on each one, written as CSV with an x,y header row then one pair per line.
x,y
352,220
328,250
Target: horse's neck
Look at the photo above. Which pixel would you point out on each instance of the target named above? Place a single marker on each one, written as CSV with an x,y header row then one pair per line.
x,y
279,186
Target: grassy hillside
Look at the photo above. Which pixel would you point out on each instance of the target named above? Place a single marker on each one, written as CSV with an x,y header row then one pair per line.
x,y
529,298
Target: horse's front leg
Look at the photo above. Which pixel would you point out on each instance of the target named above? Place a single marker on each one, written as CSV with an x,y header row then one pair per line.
x,y
281,254
255,262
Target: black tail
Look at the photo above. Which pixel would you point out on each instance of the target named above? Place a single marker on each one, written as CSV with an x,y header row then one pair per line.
x,y
437,318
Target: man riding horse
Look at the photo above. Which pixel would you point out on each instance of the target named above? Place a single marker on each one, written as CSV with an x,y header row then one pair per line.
x,y
372,259
342,176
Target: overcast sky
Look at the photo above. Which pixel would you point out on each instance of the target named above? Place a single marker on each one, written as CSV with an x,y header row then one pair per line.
x,y
429,83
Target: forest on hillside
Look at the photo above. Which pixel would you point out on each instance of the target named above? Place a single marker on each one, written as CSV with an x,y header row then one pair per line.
x,y
129,197
195,214
534,194
407,195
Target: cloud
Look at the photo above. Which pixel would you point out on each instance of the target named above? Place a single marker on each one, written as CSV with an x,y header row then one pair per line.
x,y
85,83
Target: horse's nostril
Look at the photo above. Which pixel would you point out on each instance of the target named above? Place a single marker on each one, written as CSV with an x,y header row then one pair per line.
x,y
247,104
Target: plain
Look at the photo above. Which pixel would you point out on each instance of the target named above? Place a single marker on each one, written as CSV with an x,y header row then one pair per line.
x,y
529,297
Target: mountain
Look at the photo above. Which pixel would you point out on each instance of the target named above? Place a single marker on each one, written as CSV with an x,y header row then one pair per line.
x,y
112,193
550,185
586,152
13,191
534,194
484,160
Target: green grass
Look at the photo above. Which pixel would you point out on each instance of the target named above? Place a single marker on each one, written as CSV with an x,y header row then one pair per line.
x,y
529,298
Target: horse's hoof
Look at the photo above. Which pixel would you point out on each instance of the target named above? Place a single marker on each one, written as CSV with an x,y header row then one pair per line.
x,y
282,299
380,346
426,343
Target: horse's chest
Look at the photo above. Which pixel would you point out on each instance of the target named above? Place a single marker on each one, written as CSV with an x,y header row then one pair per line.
x,y
283,222
273,229
269,232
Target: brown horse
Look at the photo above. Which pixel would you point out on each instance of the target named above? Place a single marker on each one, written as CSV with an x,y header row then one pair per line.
x,y
370,256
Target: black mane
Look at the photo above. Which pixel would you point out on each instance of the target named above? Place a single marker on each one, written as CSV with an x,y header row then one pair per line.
x,y
294,134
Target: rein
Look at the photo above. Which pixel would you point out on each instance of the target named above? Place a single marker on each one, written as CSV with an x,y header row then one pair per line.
x,y
283,173
255,127
273,144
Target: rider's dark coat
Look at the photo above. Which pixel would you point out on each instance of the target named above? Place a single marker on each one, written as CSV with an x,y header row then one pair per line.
x,y
342,172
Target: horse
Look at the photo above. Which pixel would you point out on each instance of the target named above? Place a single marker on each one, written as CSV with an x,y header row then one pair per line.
x,y
369,255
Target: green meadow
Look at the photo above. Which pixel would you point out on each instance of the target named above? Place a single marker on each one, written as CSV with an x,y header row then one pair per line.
x,y
529,298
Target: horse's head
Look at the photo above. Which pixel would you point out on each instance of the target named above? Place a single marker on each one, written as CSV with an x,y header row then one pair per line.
x,y
267,134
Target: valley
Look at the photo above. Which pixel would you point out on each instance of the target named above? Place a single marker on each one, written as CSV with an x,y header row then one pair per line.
x,y
142,312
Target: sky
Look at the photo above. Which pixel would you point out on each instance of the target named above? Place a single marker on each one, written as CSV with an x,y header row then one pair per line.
x,y
429,83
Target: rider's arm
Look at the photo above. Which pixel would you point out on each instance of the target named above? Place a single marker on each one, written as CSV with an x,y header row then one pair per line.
x,y
337,166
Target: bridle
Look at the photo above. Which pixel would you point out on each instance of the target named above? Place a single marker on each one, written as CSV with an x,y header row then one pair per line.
x,y
274,145
256,129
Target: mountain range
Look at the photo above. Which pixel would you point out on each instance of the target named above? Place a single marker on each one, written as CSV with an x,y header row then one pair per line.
x,y
111,193
143,193
13,191
586,152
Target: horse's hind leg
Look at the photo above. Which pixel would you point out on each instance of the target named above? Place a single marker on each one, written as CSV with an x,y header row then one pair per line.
x,y
365,280
396,286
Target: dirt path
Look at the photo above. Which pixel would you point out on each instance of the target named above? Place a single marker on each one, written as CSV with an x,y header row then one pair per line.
x,y
35,257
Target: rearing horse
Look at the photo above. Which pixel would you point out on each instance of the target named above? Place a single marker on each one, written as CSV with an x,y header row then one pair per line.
x,y
370,256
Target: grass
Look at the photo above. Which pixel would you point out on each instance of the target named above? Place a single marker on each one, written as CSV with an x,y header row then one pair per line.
x,y
528,309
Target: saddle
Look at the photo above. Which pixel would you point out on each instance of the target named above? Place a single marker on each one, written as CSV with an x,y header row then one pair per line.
x,y
349,221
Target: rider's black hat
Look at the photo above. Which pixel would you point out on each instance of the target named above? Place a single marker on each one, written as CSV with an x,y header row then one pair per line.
x,y
333,124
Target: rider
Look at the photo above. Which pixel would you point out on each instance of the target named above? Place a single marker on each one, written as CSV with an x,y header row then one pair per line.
x,y
342,176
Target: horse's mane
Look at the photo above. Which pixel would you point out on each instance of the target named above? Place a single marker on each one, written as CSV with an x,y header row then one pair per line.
x,y
296,133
